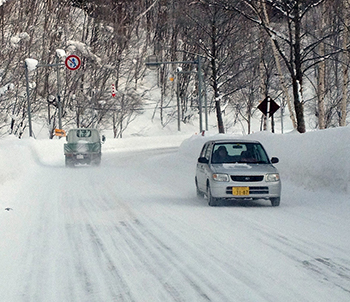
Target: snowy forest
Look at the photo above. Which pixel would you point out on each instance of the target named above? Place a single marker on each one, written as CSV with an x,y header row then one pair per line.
x,y
227,54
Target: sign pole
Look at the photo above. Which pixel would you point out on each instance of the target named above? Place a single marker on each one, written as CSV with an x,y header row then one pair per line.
x,y
268,115
178,101
72,62
268,107
58,94
200,94
152,64
28,102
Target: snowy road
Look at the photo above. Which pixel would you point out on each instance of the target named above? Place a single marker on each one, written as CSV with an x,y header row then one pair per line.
x,y
134,230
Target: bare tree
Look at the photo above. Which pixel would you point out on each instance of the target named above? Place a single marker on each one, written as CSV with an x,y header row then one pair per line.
x,y
215,34
290,41
346,61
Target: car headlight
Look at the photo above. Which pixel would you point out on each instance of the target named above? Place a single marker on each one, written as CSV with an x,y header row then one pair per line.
x,y
272,177
221,177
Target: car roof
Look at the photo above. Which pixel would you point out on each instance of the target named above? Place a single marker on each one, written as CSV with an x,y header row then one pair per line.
x,y
234,140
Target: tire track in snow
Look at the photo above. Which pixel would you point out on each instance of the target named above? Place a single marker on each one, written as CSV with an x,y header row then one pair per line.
x,y
148,257
204,270
94,266
158,259
335,271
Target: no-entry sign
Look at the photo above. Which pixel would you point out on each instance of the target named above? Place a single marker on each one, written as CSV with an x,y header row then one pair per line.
x,y
73,62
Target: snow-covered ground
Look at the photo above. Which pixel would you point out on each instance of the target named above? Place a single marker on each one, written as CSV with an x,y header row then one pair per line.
x,y
133,229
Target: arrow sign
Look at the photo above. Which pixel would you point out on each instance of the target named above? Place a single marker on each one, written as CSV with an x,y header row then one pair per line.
x,y
73,62
60,132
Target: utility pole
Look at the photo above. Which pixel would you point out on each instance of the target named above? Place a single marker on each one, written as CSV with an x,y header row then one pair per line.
x,y
178,70
200,93
153,64
59,103
75,64
28,100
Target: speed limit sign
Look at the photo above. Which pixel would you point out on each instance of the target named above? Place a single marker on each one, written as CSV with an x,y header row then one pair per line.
x,y
73,62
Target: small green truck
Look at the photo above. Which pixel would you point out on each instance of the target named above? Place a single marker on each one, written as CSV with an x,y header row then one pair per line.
x,y
83,147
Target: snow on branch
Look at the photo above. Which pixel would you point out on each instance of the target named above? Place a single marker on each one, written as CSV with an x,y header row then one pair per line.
x,y
146,11
260,21
6,88
83,49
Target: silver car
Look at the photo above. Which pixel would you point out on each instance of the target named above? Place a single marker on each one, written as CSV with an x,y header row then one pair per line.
x,y
237,169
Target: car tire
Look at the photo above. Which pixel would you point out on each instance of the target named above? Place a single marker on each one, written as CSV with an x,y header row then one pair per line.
x,y
275,202
69,162
199,192
212,201
97,161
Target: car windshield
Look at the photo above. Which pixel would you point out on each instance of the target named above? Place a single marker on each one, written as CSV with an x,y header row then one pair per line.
x,y
252,153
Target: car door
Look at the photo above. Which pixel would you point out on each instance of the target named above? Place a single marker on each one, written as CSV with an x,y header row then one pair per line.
x,y
203,167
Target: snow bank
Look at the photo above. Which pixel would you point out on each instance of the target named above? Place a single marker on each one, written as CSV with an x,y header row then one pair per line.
x,y
314,160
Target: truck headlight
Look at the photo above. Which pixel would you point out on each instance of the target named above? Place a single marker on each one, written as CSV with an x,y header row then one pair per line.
x,y
272,177
221,177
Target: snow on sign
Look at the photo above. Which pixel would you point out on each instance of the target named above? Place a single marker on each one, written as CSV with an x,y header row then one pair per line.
x,y
73,62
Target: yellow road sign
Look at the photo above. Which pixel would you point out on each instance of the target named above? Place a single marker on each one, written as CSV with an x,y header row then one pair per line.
x,y
60,132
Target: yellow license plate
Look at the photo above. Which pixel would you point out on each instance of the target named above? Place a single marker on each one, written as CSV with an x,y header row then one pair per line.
x,y
239,191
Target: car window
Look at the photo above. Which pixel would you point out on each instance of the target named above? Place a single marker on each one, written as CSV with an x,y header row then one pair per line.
x,y
83,133
239,153
260,154
208,151
202,154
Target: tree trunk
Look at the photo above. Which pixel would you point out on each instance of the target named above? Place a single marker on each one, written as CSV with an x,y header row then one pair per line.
x,y
297,80
279,70
321,76
262,75
346,60
215,81
321,90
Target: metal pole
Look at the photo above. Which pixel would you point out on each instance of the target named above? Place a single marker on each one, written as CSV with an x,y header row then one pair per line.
x,y
200,94
28,102
199,73
268,115
282,109
178,101
58,94
206,106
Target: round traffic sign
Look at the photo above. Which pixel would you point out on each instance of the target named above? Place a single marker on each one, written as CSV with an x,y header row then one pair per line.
x,y
73,62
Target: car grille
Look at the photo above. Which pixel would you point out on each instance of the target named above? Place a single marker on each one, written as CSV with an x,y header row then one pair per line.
x,y
247,178
252,190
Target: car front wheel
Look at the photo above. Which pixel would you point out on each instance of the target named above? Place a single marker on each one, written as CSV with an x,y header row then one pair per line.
x,y
212,201
199,192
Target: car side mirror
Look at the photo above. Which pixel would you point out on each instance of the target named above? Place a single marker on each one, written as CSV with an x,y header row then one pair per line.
x,y
274,160
203,160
